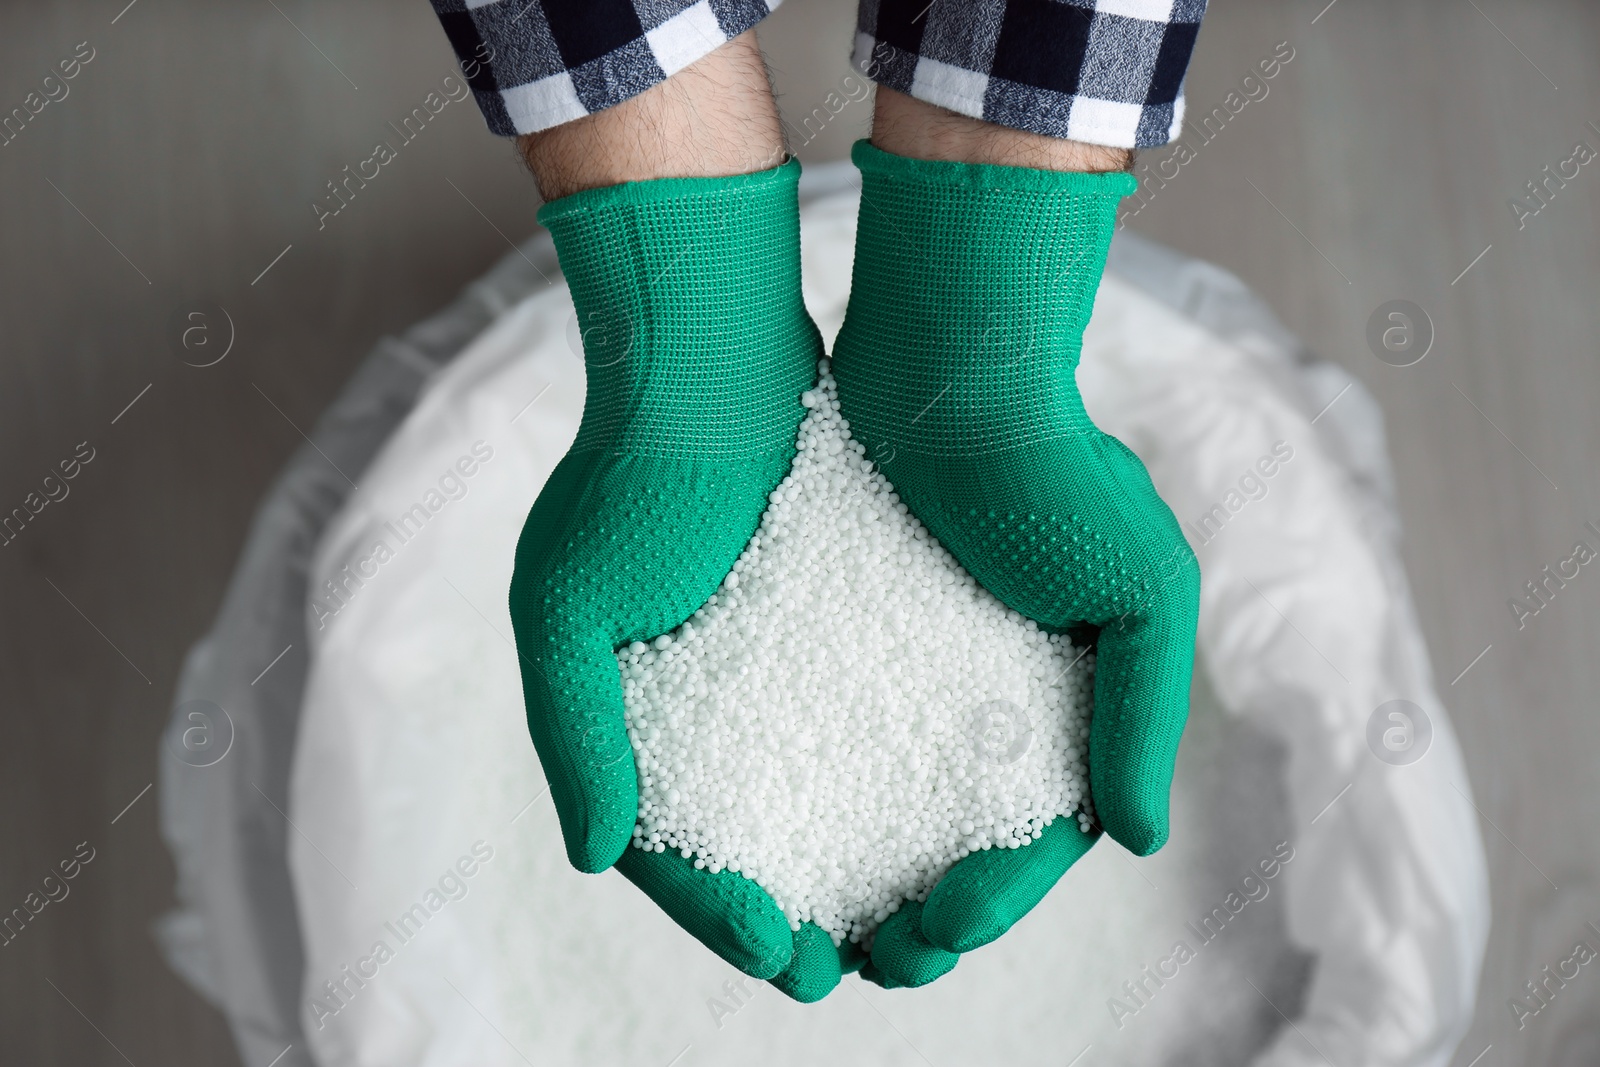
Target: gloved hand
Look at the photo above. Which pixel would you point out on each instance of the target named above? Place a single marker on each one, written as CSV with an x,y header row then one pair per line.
x,y
956,369
697,349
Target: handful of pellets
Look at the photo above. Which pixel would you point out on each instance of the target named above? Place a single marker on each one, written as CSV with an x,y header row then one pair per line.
x,y
851,713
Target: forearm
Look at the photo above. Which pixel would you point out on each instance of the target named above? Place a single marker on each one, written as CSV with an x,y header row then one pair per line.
x,y
714,118
613,93
910,127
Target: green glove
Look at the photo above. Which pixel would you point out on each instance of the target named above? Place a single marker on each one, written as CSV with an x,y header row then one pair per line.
x,y
956,369
697,349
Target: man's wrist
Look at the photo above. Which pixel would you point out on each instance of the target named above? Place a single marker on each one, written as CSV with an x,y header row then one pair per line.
x,y
913,128
714,118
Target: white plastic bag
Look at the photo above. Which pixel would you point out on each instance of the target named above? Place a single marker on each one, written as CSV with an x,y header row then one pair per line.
x,y
412,754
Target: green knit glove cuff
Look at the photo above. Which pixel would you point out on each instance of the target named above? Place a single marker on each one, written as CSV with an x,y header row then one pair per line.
x,y
977,282
688,298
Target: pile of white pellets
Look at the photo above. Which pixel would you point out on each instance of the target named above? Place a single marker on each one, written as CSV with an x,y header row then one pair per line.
x,y
851,713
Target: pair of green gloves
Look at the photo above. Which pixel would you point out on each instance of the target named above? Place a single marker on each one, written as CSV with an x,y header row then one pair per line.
x,y
955,369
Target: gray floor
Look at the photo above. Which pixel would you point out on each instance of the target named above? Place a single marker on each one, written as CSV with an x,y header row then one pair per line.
x,y
184,161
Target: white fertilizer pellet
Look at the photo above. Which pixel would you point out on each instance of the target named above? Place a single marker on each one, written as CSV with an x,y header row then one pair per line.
x,y
851,712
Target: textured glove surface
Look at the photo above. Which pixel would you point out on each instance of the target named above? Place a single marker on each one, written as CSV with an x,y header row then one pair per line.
x,y
697,348
956,368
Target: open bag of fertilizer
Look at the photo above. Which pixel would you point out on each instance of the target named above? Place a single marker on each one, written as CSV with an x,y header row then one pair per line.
x,y
851,712
1306,877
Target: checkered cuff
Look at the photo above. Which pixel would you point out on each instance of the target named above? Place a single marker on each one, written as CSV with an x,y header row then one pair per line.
x,y
533,64
1108,72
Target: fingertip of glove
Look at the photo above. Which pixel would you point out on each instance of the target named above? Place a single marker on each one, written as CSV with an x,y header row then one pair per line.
x,y
870,973
1134,813
902,953
960,930
956,919
591,855
984,895
726,912
813,970
1140,837
803,989
767,968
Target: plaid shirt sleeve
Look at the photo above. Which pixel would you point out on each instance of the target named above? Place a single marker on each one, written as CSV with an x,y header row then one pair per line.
x,y
533,64
1107,72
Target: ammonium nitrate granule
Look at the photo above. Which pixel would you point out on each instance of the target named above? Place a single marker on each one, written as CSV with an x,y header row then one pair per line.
x,y
851,712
